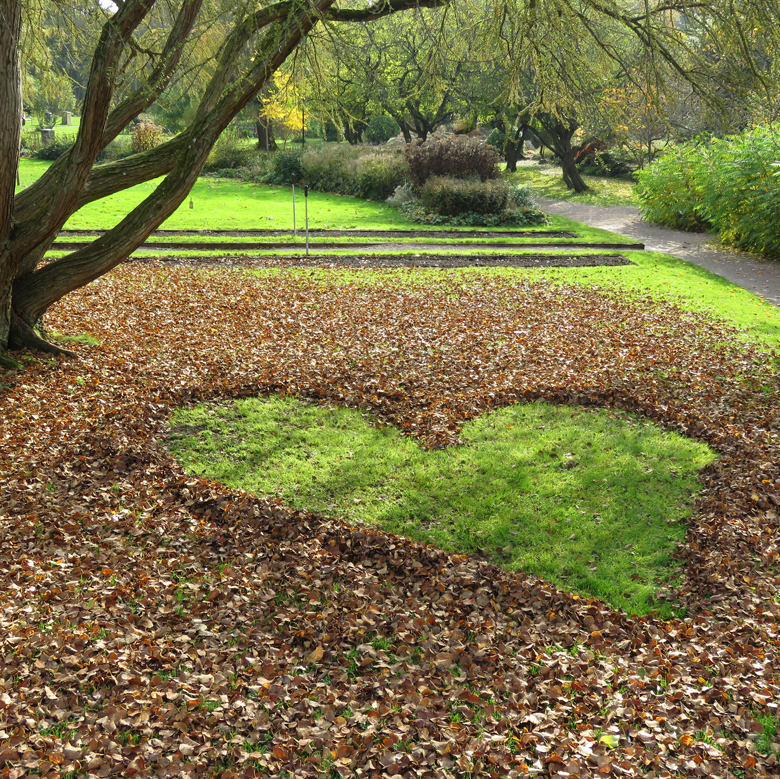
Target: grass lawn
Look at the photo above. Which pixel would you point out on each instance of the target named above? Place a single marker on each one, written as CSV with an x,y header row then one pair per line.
x,y
591,501
546,181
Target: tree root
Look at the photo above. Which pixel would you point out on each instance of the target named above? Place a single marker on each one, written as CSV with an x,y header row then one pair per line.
x,y
8,362
23,336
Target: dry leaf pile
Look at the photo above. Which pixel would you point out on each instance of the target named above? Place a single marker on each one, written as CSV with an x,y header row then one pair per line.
x,y
154,624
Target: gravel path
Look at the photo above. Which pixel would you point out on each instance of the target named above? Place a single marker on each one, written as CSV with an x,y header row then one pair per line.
x,y
746,270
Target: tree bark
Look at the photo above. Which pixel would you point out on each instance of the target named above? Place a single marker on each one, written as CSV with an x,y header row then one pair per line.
x,y
265,134
556,135
571,175
10,138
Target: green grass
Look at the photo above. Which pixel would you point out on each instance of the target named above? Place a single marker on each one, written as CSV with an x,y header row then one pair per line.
x,y
547,181
230,204
592,501
664,277
59,128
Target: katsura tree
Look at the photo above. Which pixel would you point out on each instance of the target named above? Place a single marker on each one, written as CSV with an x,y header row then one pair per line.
x,y
258,40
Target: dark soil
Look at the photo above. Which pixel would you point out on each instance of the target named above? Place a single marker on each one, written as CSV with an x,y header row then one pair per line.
x,y
361,233
405,260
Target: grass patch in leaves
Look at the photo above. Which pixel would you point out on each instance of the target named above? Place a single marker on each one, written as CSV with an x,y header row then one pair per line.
x,y
592,501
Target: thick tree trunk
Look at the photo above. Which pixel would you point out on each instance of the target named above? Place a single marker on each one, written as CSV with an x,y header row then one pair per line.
x,y
513,148
556,135
571,176
10,136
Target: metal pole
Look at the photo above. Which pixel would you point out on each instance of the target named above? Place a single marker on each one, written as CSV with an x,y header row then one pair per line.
x,y
306,201
303,124
295,231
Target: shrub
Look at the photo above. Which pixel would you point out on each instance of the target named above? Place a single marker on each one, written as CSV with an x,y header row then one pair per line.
x,y
53,151
669,189
741,190
331,168
402,195
353,170
496,138
230,153
730,184
603,164
145,136
469,203
452,156
522,198
381,129
451,196
285,164
118,149
378,175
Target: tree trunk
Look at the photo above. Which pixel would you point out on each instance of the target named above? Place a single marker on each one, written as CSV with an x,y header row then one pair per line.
x,y
10,138
513,148
556,135
571,176
265,134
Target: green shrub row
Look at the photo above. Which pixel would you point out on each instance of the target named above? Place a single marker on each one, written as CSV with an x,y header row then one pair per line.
x,y
730,185
469,203
345,170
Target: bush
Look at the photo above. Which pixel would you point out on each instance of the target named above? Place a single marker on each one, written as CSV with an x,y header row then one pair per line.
x,y
603,164
53,151
331,168
453,157
353,170
378,175
496,138
118,149
145,136
402,196
741,191
451,196
730,184
230,153
381,129
285,164
669,189
471,203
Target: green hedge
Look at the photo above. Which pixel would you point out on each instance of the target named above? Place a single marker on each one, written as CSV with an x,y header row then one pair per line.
x,y
731,185
452,196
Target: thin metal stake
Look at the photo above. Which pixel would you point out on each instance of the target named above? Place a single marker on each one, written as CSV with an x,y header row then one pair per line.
x,y
306,201
295,231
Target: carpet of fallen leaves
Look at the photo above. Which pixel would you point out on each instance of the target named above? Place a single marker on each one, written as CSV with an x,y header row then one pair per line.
x,y
155,624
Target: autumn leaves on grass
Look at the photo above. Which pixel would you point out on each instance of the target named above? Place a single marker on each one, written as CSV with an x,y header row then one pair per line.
x,y
177,625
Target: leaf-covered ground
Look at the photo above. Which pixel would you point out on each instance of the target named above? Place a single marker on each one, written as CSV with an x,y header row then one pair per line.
x,y
153,624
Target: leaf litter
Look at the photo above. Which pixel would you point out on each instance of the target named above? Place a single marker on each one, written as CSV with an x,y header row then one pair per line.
x,y
156,624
